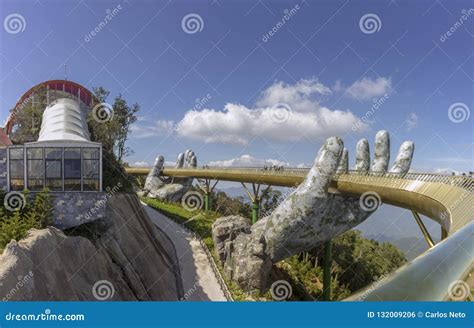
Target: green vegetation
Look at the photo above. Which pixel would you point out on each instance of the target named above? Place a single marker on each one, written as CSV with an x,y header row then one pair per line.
x,y
113,132
36,213
357,261
225,205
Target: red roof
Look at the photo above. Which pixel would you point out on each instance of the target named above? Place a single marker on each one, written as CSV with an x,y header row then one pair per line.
x,y
68,86
4,140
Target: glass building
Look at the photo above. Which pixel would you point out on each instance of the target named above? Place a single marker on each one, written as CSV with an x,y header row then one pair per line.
x,y
63,158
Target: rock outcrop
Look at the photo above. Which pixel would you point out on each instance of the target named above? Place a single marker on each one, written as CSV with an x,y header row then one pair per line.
x,y
308,217
156,186
130,260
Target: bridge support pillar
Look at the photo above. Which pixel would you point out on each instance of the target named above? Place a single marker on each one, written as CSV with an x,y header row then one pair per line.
x,y
255,198
207,201
423,229
205,186
255,210
327,270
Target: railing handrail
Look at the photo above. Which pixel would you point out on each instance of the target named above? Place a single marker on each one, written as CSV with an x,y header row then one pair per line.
x,y
465,182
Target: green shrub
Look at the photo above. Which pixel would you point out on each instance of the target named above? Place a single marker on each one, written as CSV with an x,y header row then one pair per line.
x,y
36,213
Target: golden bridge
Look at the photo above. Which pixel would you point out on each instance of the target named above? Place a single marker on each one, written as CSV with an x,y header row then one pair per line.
x,y
448,200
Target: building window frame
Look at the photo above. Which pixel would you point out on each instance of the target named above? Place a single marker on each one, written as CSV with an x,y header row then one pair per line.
x,y
13,160
94,180
43,168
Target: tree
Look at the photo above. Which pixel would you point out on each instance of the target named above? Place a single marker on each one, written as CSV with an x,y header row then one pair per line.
x,y
125,116
28,117
110,124
226,205
269,200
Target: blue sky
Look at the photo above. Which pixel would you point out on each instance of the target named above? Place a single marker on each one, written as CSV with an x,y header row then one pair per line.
x,y
260,96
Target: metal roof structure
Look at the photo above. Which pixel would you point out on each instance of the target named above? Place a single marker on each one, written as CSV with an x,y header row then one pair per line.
x,y
71,88
63,120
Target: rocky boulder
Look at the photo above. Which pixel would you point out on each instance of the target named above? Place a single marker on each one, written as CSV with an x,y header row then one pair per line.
x,y
129,260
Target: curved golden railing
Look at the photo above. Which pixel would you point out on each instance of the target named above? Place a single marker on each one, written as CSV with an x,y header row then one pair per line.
x,y
449,200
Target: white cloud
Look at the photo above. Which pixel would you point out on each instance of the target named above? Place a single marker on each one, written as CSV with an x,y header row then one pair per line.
x,y
146,164
447,171
299,95
141,129
140,164
283,112
412,121
302,165
368,88
247,160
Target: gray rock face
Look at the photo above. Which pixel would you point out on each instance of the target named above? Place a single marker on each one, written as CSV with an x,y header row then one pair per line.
x,y
362,155
155,187
169,192
226,230
153,180
308,217
131,260
404,157
382,152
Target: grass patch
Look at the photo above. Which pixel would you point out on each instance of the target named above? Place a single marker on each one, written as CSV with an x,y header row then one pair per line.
x,y
201,223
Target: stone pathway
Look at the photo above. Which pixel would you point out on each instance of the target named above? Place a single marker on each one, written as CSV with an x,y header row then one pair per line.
x,y
199,281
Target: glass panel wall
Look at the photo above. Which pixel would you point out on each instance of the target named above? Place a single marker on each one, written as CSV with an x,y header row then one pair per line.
x,y
17,168
72,169
56,168
53,161
35,171
91,165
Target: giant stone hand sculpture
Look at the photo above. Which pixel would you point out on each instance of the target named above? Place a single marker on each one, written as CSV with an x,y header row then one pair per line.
x,y
308,217
155,185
